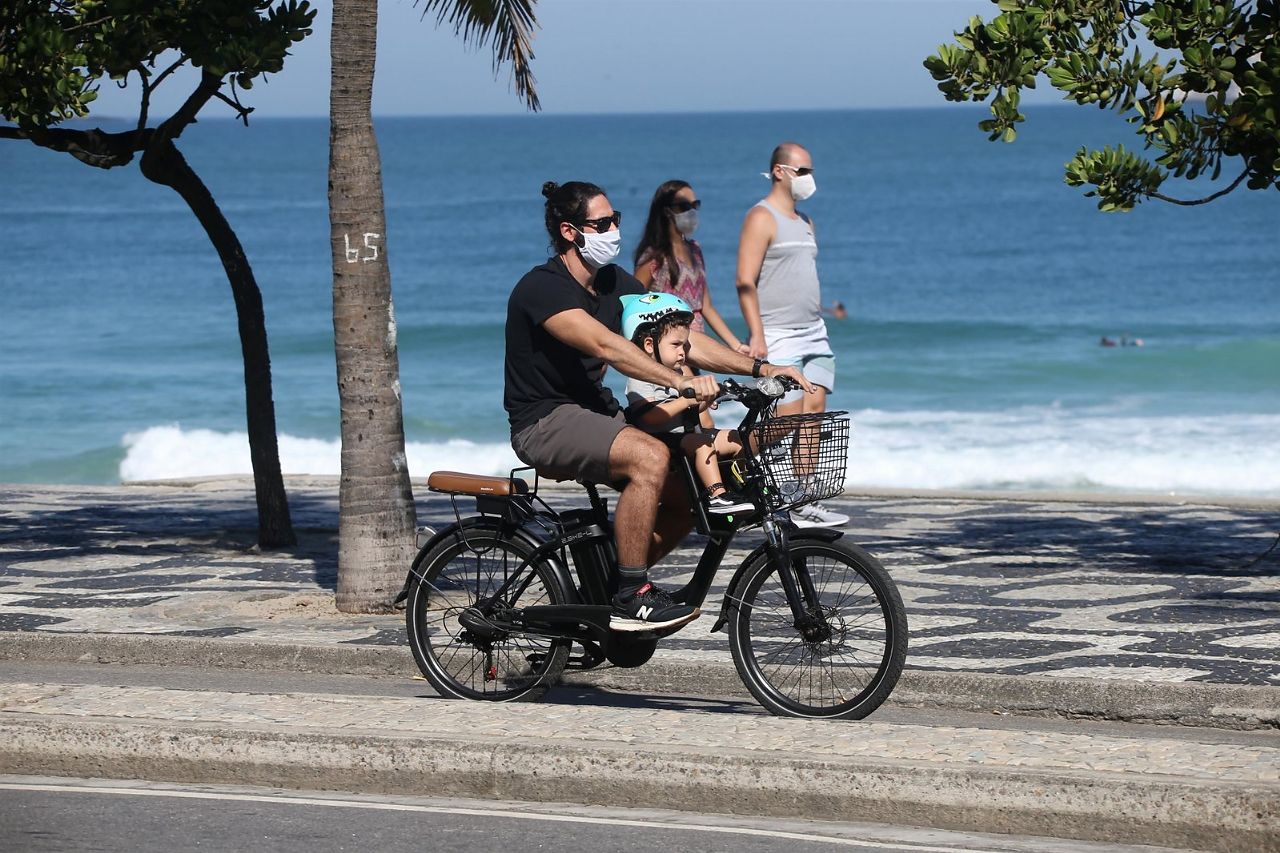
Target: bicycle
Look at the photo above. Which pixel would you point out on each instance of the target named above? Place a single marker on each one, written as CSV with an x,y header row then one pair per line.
x,y
816,626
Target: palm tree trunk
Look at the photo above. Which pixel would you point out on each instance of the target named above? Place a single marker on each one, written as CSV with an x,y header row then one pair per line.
x,y
376,521
164,164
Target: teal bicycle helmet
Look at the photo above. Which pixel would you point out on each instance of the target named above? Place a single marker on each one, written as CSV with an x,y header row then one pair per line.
x,y
642,309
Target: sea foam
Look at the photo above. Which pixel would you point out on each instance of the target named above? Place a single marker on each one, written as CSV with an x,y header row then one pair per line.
x,y
163,452
1034,449
1046,448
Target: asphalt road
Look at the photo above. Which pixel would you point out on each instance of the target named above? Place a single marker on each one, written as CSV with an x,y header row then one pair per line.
x,y
66,815
258,681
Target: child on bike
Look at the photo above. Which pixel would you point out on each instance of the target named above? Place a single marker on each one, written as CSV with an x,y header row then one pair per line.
x,y
658,323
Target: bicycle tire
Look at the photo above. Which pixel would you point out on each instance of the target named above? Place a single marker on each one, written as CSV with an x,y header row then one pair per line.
x,y
846,676
463,566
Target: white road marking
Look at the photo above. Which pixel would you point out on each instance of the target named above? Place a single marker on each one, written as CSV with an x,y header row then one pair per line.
x,y
551,818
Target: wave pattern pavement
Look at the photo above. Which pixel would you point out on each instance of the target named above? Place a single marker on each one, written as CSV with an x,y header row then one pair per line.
x,y
1121,590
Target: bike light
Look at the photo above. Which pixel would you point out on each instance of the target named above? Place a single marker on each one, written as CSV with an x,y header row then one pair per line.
x,y
770,385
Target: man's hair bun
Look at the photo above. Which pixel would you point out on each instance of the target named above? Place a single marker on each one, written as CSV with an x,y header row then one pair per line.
x,y
566,203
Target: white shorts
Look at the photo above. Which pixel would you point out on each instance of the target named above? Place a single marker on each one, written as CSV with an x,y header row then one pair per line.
x,y
806,348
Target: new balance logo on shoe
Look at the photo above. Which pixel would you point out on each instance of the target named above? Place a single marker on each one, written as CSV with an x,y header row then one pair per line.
x,y
647,609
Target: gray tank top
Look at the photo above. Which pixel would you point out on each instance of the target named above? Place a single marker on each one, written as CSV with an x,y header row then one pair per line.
x,y
788,284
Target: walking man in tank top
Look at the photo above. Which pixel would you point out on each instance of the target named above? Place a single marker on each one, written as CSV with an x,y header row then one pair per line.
x,y
780,295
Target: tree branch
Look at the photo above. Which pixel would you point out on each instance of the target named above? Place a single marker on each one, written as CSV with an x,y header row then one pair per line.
x,y
233,100
94,147
172,127
1219,194
172,68
145,109
149,87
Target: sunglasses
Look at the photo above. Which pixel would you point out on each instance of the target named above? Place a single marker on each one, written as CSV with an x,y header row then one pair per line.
x,y
800,171
682,206
603,224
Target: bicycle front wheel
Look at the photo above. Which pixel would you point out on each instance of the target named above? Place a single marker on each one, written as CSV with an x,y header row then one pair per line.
x,y
845,664
466,570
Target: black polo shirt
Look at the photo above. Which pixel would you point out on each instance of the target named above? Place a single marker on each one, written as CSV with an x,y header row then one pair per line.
x,y
543,373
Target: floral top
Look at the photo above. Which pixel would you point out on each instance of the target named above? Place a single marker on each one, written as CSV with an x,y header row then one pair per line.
x,y
691,284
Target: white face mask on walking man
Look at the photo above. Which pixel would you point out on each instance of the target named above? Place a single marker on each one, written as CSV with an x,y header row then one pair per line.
x,y
802,183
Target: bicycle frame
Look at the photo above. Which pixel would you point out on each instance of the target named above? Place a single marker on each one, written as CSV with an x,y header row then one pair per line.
x,y
587,536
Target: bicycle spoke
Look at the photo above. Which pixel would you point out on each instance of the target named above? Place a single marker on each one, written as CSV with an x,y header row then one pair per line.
x,y
471,575
843,658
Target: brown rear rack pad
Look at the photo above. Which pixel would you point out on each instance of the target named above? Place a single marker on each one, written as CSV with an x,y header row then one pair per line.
x,y
474,484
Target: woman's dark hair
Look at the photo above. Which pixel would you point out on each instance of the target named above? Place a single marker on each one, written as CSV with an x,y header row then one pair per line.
x,y
656,239
566,203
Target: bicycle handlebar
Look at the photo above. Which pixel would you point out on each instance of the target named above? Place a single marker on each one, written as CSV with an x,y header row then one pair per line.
x,y
768,387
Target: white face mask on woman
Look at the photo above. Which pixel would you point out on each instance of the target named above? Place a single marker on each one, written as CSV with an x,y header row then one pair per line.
x,y
686,223
599,250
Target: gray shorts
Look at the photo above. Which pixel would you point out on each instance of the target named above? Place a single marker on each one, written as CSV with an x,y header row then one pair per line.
x,y
571,443
818,369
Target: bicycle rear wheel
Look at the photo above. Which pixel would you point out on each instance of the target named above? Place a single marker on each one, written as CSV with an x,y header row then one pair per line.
x,y
465,569
844,670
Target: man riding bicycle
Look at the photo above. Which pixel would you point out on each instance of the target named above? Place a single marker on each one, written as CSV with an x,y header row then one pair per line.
x,y
563,323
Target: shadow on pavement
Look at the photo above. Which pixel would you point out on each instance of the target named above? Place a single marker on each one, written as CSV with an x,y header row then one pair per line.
x,y
597,697
1168,541
145,532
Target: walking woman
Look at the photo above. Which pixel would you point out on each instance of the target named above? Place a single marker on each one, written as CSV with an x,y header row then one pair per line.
x,y
669,260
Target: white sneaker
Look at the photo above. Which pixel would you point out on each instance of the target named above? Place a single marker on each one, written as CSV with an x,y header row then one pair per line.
x,y
817,515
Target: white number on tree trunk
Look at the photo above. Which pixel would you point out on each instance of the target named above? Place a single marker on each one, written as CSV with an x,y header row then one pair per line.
x,y
353,252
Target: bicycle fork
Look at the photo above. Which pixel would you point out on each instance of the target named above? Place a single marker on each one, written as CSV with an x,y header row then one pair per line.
x,y
797,583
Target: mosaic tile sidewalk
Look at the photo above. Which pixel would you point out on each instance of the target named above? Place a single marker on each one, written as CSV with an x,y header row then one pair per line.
x,y
1118,589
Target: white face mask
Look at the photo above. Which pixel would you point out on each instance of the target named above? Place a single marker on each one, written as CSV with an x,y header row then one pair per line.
x,y
803,186
599,250
686,223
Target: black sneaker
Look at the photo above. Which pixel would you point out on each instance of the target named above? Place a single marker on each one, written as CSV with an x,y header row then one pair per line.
x,y
649,608
727,503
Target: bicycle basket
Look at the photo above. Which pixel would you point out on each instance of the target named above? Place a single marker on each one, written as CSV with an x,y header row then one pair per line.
x,y
802,458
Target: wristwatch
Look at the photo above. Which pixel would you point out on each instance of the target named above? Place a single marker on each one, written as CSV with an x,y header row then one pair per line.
x,y
755,367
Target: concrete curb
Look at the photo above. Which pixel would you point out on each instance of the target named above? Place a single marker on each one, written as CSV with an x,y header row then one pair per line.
x,y
1225,706
1116,807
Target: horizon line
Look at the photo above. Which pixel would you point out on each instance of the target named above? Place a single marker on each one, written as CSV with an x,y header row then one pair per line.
x,y
618,114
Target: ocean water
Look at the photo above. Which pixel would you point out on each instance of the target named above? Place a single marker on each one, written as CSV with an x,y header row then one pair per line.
x,y
979,286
